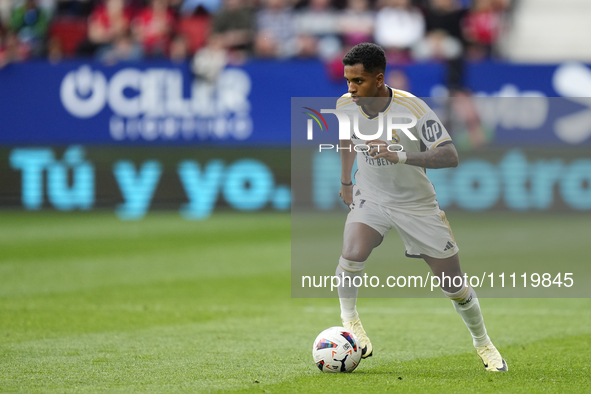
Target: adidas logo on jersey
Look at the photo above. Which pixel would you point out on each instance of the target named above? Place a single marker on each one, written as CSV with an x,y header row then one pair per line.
x,y
448,246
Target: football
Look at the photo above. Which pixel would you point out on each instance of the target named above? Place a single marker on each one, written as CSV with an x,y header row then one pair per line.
x,y
336,350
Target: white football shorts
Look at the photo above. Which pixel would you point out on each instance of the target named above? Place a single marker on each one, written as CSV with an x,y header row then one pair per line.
x,y
429,235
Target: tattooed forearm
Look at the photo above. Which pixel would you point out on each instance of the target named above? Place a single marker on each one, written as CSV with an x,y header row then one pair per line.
x,y
440,157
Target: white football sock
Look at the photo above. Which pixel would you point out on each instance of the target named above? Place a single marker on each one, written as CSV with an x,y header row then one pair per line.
x,y
466,304
347,291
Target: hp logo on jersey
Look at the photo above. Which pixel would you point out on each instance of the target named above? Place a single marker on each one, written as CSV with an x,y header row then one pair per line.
x,y
432,130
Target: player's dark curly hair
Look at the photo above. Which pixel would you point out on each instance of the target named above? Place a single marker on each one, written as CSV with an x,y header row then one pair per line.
x,y
372,57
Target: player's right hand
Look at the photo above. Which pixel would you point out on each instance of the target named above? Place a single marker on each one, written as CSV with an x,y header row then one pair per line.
x,y
346,194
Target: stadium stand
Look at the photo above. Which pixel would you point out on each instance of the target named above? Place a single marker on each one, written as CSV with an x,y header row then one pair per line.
x,y
548,31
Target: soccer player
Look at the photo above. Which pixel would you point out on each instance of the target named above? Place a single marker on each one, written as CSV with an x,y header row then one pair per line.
x,y
392,190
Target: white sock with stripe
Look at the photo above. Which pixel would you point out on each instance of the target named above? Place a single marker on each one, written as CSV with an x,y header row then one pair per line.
x,y
466,304
348,270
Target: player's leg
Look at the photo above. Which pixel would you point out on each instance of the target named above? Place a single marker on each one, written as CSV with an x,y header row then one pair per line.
x,y
359,240
463,297
431,238
466,303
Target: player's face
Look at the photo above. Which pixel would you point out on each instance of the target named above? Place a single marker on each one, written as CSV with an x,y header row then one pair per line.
x,y
363,86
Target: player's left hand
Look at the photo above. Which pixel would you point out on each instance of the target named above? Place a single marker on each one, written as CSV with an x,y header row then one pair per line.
x,y
379,149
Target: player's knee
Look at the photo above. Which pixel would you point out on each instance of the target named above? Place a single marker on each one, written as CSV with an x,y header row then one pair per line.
x,y
451,281
354,253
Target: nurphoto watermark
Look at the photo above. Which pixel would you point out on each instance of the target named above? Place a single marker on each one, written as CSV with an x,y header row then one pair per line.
x,y
349,129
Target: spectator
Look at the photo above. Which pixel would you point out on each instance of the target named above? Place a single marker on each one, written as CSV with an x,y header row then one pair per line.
x,y
30,22
123,49
481,28
276,35
5,12
48,6
12,50
179,49
189,7
437,45
235,26
317,27
106,23
398,79
210,60
55,50
444,41
80,8
357,22
152,28
307,47
503,5
446,16
399,26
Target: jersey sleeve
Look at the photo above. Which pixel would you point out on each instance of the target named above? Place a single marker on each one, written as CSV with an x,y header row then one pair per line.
x,y
344,100
343,104
432,131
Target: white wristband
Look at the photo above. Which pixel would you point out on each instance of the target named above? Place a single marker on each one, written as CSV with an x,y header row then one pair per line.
x,y
401,157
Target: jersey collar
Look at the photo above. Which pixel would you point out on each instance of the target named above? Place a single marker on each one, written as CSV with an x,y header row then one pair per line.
x,y
388,104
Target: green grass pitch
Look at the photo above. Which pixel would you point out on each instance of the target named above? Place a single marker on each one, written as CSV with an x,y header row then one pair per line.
x,y
93,304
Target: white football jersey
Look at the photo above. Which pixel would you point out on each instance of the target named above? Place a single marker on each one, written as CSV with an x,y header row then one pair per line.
x,y
397,186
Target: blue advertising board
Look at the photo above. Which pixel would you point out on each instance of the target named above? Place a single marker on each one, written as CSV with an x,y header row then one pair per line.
x,y
151,103
161,103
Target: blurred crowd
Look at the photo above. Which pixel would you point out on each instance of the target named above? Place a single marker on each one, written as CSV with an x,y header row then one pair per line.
x,y
213,33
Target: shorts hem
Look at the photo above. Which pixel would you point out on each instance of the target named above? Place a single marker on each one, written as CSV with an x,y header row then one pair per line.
x,y
382,233
439,255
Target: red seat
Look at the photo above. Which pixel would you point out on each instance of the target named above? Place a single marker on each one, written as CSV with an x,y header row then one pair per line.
x,y
70,31
195,29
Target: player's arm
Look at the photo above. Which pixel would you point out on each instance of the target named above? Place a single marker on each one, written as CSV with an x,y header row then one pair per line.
x,y
440,151
347,160
439,157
